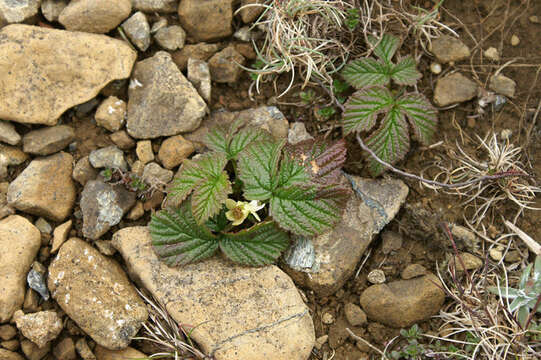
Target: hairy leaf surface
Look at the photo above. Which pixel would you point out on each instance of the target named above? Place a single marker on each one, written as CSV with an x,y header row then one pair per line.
x,y
386,47
231,141
363,107
259,245
422,116
178,239
366,72
405,72
209,196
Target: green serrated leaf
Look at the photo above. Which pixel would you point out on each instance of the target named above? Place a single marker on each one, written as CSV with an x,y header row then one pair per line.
x,y
218,222
209,196
178,239
367,72
422,116
217,139
192,173
390,141
363,107
307,210
245,137
405,72
258,167
386,47
292,171
259,245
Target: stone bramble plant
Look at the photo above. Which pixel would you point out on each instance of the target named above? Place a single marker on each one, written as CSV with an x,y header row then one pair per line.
x,y
247,194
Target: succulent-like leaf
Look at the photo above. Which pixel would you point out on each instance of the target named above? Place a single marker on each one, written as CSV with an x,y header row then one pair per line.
x,y
386,47
363,107
422,116
390,141
258,167
178,239
307,210
209,196
259,245
405,72
367,72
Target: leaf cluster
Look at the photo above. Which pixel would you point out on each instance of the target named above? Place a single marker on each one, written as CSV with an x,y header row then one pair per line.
x,y
373,99
300,184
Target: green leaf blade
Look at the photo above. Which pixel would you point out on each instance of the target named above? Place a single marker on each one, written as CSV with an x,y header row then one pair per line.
x,y
422,116
259,245
405,72
245,137
386,47
390,142
258,166
366,72
208,198
217,139
178,239
363,107
308,211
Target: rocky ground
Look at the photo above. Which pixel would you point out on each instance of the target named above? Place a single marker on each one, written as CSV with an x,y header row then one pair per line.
x,y
91,85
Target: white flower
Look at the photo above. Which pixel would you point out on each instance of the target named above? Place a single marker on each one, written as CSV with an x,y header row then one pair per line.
x,y
239,210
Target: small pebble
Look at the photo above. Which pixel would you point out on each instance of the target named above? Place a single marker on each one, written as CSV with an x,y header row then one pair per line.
x,y
492,54
495,254
515,40
534,19
376,276
513,256
327,318
320,341
435,68
471,122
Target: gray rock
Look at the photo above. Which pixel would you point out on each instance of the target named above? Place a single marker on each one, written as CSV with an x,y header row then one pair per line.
x,y
108,157
297,133
48,140
17,11
454,88
171,37
122,140
162,101
73,70
158,24
8,134
138,30
449,49
160,6
354,314
338,252
103,205
40,327
20,242
404,302
199,75
83,171
466,261
376,276
111,113
391,241
94,16
502,85
36,281
242,312
45,188
206,20
412,271
224,65
51,9
94,291
200,51
154,174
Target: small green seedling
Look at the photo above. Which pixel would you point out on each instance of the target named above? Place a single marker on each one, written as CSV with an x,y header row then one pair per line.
x,y
525,299
372,78
353,18
246,195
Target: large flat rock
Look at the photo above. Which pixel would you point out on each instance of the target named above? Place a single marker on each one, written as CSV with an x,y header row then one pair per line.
x,y
239,313
45,71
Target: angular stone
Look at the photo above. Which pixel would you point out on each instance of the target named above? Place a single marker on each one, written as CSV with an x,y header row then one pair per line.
x,y
94,16
17,11
45,188
60,235
467,261
241,312
9,355
38,85
206,20
108,157
7,332
65,349
297,133
199,75
40,327
51,9
412,271
448,48
454,88
12,155
8,134
162,101
103,205
48,140
402,303
83,171
144,151
171,37
95,292
354,314
111,113
502,85
174,150
32,351
127,353
224,65
20,242
200,51
160,6
138,30
122,140
84,350
338,252
155,175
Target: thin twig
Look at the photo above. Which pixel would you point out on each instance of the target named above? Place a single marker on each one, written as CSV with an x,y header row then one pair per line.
x,y
358,338
531,243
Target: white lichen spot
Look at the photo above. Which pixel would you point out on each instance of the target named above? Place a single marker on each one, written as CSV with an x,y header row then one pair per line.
x,y
127,307
85,252
108,314
67,299
109,212
134,83
119,102
90,258
120,322
110,110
